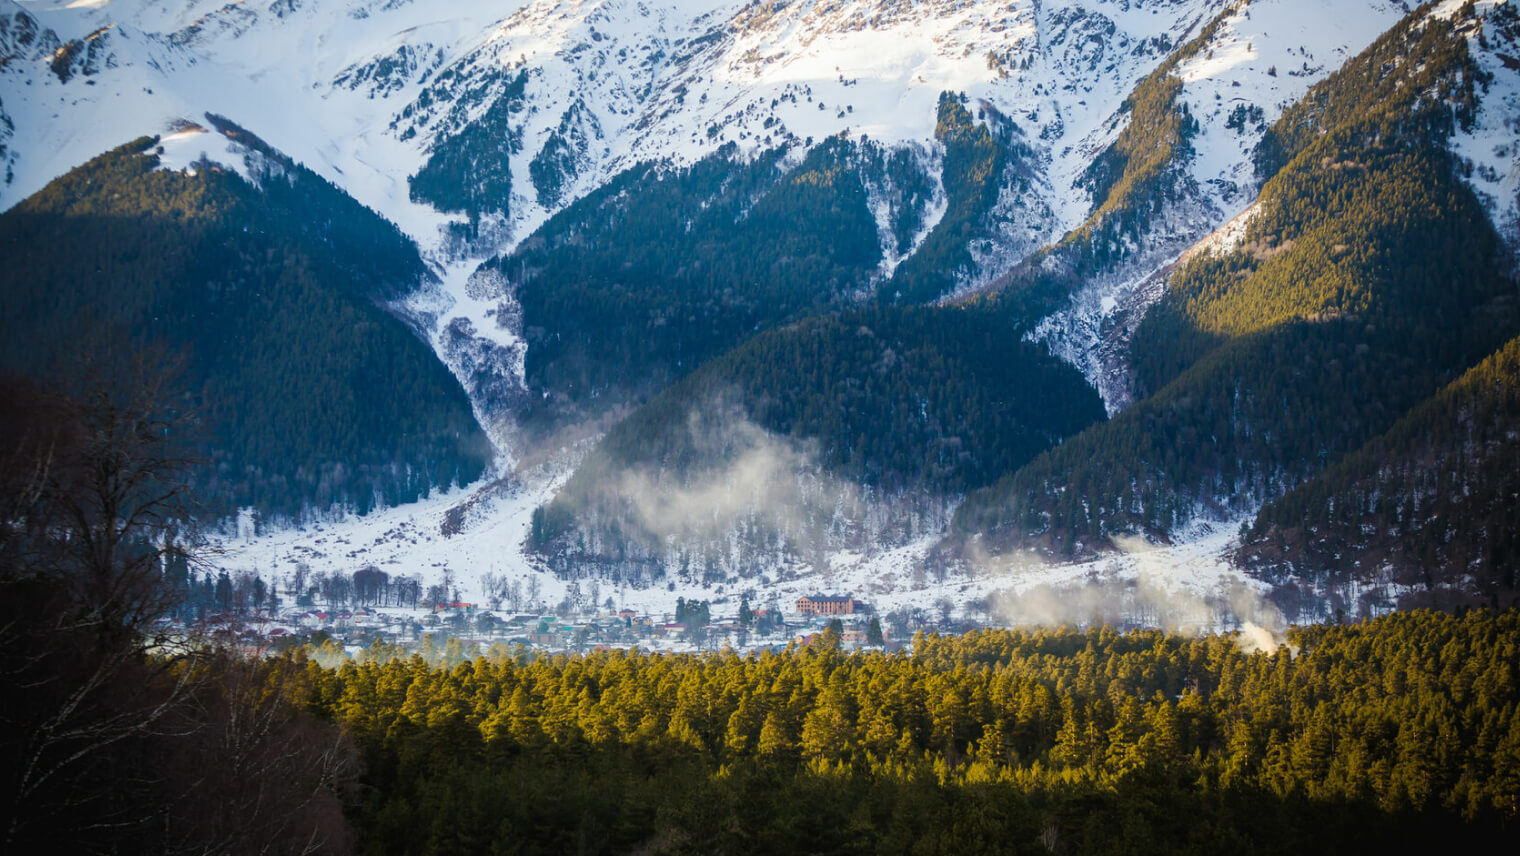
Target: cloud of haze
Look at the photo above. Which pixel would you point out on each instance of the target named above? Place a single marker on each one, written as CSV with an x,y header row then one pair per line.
x,y
1141,585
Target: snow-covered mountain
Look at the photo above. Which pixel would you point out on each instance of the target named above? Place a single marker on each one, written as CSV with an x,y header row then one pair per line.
x,y
471,125
369,92
364,90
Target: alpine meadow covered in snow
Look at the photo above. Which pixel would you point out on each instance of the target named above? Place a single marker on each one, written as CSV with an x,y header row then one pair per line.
x,y
759,425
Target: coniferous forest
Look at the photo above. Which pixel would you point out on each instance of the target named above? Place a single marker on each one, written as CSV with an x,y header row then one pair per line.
x,y
123,733
1368,278
1400,732
310,393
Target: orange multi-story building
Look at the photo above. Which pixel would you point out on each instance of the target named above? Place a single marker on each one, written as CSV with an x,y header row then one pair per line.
x,y
820,604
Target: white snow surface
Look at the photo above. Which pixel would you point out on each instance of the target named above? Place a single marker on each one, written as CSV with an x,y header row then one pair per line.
x,y
349,89
192,147
1492,145
659,80
1190,584
409,540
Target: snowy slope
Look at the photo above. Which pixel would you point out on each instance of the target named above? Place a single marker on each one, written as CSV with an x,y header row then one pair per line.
x,y
1492,146
364,91
1191,585
337,84
1263,58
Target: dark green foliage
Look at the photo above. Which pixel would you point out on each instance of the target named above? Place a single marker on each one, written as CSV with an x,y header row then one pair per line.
x,y
1369,277
113,739
1387,236
1132,178
1250,419
942,399
1395,733
908,186
1246,116
638,283
1431,502
314,394
695,613
556,164
935,401
468,171
974,170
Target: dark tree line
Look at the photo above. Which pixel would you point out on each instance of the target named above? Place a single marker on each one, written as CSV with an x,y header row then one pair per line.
x,y
1429,503
638,283
117,734
468,170
913,404
980,160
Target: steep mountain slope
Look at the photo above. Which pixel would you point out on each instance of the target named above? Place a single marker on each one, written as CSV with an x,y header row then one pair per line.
x,y
853,431
716,192
1181,166
270,284
463,129
1146,195
1490,158
393,88
1368,275
1425,513
656,272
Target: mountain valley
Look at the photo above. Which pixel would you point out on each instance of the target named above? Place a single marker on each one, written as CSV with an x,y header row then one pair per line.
x,y
909,300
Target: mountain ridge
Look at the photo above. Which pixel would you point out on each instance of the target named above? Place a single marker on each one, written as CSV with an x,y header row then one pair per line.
x,y
1056,166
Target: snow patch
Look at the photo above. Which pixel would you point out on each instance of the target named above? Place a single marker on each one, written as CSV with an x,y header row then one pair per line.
x,y
192,147
457,535
1492,145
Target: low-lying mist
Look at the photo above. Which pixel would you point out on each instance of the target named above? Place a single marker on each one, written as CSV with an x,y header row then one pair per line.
x,y
1142,585
725,496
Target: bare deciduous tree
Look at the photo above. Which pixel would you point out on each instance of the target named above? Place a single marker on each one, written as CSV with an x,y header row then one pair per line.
x,y
94,502
98,700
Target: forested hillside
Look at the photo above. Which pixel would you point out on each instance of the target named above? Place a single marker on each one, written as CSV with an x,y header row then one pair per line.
x,y
640,282
1368,278
1430,506
1391,734
312,394
469,171
1132,183
753,292
908,407
983,157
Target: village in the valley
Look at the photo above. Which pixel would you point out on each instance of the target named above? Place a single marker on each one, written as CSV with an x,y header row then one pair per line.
x,y
466,629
